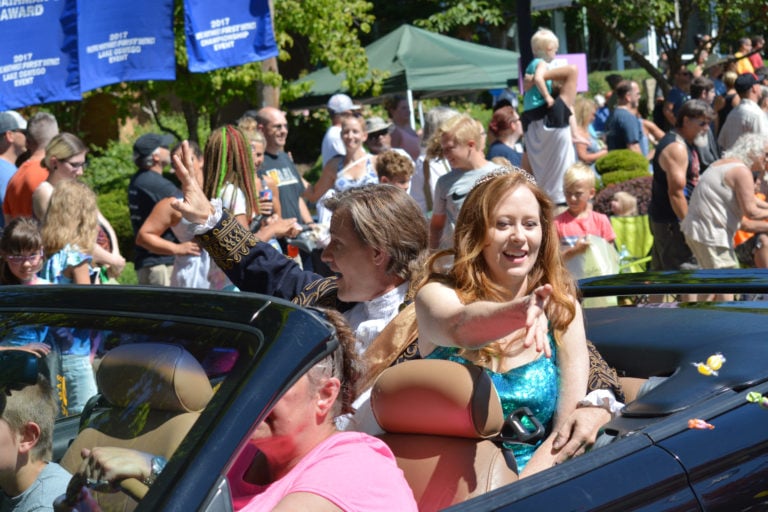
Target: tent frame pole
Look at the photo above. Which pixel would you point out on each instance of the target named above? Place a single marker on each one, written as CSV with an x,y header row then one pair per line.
x,y
409,95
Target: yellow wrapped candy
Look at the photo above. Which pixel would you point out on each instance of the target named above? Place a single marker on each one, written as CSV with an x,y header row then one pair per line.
x,y
716,361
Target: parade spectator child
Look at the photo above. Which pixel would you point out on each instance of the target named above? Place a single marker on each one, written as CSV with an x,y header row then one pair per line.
x,y
69,234
623,204
395,168
21,249
549,127
580,220
29,481
544,45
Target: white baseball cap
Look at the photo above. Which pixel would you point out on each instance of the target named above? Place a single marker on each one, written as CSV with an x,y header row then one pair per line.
x,y
11,120
341,103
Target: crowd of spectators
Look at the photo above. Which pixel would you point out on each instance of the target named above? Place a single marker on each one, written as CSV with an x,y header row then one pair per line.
x,y
505,207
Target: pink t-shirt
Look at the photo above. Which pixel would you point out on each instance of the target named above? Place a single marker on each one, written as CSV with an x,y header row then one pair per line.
x,y
594,223
353,470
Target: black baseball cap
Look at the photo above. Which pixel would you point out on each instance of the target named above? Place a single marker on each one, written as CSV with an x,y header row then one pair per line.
x,y
149,142
744,82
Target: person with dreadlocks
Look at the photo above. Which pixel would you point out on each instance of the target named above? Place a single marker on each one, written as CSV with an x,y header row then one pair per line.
x,y
225,171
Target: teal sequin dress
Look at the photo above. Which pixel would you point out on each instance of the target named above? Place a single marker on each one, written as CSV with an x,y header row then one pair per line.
x,y
534,385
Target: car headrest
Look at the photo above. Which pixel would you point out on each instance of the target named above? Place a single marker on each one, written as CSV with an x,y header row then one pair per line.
x,y
165,377
437,397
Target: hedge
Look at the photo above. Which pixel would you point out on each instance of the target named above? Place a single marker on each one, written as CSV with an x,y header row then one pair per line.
x,y
638,187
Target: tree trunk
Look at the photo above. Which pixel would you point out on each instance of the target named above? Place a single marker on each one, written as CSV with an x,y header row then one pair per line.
x,y
270,95
192,118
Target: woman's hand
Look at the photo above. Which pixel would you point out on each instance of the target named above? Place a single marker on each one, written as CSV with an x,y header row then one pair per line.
x,y
190,248
579,432
195,207
265,207
38,349
116,267
110,464
536,323
275,227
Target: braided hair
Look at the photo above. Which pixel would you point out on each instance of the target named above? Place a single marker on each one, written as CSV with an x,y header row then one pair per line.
x,y
227,159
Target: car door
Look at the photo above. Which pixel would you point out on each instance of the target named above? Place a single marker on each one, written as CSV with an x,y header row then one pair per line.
x,y
630,474
727,466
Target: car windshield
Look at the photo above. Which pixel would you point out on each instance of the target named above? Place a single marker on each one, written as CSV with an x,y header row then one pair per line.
x,y
85,339
153,370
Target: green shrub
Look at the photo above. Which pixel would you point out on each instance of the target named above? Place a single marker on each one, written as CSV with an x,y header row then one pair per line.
x,y
110,168
621,160
621,176
128,275
114,206
108,174
313,173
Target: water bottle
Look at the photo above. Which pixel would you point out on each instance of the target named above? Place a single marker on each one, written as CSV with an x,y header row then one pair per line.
x,y
624,258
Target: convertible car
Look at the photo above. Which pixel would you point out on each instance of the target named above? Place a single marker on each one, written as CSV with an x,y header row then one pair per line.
x,y
203,368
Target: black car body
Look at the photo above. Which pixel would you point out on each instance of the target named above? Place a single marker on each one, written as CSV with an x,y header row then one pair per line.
x,y
656,463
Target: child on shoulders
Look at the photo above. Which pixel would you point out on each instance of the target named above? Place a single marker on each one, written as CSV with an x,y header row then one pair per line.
x,y
544,45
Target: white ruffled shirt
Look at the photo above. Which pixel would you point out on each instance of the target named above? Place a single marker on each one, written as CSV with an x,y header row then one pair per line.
x,y
368,319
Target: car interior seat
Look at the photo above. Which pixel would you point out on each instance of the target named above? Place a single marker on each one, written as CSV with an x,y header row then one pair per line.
x,y
151,395
439,417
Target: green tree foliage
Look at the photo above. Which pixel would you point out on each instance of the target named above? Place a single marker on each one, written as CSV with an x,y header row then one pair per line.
x,y
465,13
332,31
624,21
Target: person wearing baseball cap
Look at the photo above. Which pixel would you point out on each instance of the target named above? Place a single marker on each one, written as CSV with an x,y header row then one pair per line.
x,y
145,149
151,153
747,116
339,105
13,142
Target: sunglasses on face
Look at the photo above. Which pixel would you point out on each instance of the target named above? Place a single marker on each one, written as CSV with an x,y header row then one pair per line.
x,y
77,165
18,259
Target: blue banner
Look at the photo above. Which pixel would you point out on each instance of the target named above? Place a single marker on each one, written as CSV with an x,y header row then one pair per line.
x,y
38,53
225,33
122,41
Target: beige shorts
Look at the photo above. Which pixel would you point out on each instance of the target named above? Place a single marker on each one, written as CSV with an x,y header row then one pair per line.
x,y
710,256
156,275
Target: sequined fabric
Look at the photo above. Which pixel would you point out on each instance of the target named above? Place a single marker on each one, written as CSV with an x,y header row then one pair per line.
x,y
534,385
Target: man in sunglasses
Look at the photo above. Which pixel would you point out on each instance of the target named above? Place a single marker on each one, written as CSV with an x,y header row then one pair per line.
x,y
379,135
676,169
13,142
